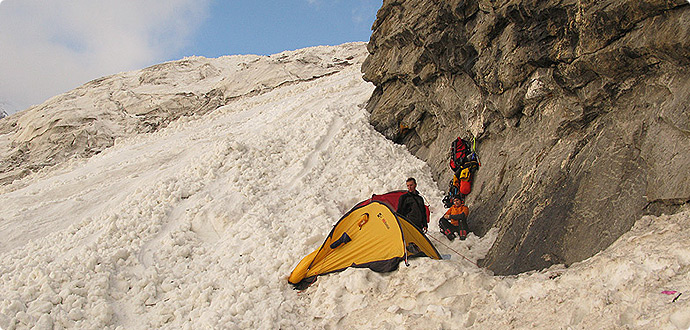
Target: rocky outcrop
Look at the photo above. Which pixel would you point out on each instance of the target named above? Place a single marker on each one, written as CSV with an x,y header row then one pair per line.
x,y
580,110
88,119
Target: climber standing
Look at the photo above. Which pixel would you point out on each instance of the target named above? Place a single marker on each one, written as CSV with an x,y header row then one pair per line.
x,y
411,205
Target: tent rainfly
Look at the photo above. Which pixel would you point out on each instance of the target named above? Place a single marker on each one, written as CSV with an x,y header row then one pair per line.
x,y
371,235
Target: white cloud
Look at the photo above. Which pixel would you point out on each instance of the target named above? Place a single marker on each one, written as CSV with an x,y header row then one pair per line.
x,y
49,47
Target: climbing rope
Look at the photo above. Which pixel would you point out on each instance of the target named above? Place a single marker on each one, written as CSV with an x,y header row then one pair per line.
x,y
456,252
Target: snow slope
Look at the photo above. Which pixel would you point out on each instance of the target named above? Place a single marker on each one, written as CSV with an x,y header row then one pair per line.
x,y
88,119
199,224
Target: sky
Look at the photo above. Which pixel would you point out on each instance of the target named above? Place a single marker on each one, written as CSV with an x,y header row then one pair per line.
x,y
50,47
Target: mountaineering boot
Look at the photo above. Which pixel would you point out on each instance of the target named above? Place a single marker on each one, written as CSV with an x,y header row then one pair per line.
x,y
462,234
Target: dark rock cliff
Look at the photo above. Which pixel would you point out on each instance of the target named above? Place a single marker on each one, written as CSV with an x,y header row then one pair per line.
x,y
580,110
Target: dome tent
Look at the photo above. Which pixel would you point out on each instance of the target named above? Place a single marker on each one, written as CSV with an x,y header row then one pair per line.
x,y
371,235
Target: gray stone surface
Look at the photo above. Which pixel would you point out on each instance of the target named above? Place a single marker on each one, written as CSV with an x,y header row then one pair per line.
x,y
580,110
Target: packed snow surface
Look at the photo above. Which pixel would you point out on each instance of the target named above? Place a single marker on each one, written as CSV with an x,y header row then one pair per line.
x,y
198,225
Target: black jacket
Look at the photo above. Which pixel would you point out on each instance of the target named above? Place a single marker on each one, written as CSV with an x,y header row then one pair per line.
x,y
411,206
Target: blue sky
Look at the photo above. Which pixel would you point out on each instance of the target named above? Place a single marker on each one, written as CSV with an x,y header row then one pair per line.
x,y
268,27
48,47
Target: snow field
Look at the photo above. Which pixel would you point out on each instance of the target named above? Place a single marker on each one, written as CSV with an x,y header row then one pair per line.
x,y
209,214
198,226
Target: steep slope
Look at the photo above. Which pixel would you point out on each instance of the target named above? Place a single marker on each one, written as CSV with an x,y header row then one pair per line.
x,y
579,108
197,226
88,119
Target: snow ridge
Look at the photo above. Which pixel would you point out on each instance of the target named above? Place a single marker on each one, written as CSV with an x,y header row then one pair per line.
x,y
89,119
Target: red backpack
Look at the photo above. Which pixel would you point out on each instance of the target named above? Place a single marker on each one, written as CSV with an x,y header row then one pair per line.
x,y
459,150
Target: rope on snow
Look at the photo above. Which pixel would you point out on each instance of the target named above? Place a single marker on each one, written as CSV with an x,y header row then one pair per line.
x,y
456,252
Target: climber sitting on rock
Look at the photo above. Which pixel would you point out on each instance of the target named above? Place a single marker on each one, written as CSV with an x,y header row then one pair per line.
x,y
455,220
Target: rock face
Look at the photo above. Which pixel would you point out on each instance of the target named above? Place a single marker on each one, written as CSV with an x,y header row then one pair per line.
x,y
580,110
88,119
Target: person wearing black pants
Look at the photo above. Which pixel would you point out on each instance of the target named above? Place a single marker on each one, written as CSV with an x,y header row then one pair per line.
x,y
411,205
455,220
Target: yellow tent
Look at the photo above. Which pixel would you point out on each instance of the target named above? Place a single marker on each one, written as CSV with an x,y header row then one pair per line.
x,y
370,235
